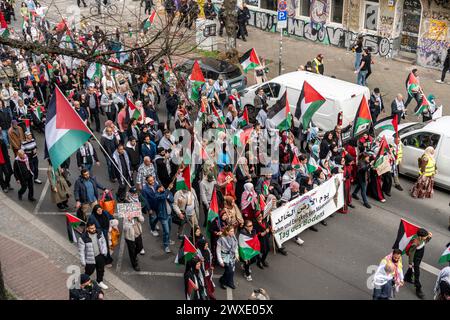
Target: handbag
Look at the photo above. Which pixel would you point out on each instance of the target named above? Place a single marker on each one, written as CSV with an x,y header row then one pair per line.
x,y
108,203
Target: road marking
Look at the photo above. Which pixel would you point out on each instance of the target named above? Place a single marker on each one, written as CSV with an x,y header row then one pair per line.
x,y
121,251
156,273
41,199
430,269
229,294
43,169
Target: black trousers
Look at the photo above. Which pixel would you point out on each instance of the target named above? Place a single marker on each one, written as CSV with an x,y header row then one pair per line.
x,y
134,247
205,213
5,176
99,266
111,116
241,31
415,270
79,2
248,263
416,97
444,71
28,184
122,191
95,117
228,275
34,166
387,182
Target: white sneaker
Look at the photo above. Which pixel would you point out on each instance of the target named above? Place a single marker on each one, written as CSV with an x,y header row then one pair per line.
x,y
37,181
440,81
383,200
299,241
249,278
142,252
171,242
167,250
157,228
155,233
102,285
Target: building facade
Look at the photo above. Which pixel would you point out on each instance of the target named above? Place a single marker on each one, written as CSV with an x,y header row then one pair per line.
x,y
416,29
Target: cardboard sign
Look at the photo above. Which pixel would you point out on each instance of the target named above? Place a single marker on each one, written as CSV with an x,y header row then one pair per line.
x,y
129,210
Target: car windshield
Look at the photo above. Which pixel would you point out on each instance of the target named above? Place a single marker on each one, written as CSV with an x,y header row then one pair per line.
x,y
410,128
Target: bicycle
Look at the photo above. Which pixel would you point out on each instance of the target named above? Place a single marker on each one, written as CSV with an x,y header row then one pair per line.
x,y
97,5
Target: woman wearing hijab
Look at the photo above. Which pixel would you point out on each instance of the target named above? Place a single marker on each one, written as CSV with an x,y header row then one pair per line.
x,y
194,281
208,267
101,219
58,186
423,188
249,202
374,188
325,166
242,176
196,235
227,254
263,231
326,144
232,215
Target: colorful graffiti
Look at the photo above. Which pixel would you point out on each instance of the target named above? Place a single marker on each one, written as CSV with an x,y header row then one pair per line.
x,y
433,44
327,34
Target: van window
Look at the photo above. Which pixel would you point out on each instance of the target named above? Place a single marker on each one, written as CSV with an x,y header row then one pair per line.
x,y
422,140
411,128
272,90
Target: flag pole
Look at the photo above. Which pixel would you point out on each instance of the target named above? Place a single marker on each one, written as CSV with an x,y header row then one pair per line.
x,y
93,135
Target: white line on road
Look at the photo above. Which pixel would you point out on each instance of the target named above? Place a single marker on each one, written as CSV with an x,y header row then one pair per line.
x,y
229,294
121,251
43,169
429,268
156,273
41,199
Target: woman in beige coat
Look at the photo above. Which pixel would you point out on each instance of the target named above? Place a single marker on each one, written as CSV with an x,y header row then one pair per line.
x,y
59,187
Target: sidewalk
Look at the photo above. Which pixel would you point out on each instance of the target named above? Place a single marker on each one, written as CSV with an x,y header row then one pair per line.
x,y
387,74
34,258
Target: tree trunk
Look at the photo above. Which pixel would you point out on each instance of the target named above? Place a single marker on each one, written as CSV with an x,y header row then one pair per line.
x,y
230,24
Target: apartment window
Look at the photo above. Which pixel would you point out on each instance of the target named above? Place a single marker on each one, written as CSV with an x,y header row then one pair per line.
x,y
269,4
304,7
337,7
371,9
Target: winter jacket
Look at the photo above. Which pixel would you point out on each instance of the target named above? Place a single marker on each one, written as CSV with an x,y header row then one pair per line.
x,y
118,171
133,155
149,195
149,150
15,139
80,192
86,248
5,119
206,191
21,172
129,228
109,144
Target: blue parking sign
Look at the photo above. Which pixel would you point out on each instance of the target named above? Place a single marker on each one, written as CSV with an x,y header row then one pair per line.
x,y
282,15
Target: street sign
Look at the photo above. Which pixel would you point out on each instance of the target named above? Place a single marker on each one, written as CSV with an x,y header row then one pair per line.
x,y
282,14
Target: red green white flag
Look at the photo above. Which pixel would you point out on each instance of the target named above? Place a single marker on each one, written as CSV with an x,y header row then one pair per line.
x,y
65,132
280,114
309,101
149,21
249,247
363,118
445,256
190,289
249,60
244,120
412,84
73,224
242,136
133,110
388,123
184,179
197,80
407,232
295,162
186,253
423,106
213,212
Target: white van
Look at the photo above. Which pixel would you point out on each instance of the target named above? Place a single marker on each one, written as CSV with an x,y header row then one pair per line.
x,y
341,96
416,136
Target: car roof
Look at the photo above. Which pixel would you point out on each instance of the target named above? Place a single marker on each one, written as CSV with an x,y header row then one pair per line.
x,y
330,88
212,64
440,126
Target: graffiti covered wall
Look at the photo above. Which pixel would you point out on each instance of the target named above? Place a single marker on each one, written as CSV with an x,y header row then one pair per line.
x,y
328,34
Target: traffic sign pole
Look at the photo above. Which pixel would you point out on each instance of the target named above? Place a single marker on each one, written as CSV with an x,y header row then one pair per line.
x,y
281,24
280,56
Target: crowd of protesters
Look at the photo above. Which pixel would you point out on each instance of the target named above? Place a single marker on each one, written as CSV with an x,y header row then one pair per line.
x,y
140,153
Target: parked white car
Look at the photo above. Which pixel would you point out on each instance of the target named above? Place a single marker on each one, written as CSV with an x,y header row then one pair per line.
x,y
416,136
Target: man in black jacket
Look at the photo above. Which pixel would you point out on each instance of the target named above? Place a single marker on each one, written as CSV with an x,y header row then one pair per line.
x,y
222,20
5,168
242,20
24,175
109,143
362,176
172,101
94,108
5,123
398,108
134,155
89,290
376,104
446,66
164,167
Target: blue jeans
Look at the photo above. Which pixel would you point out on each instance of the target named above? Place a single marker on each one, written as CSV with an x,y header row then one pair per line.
x,y
358,57
363,188
5,137
361,80
166,225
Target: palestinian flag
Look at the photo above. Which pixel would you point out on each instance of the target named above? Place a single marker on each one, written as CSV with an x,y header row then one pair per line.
x,y
423,106
249,247
249,60
308,103
74,224
149,21
213,212
186,253
219,115
197,80
406,233
61,26
94,71
38,112
65,132
312,165
413,84
29,82
184,179
295,162
4,31
363,118
242,136
244,120
384,147
280,114
27,123
166,72
445,256
389,123
190,290
133,110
